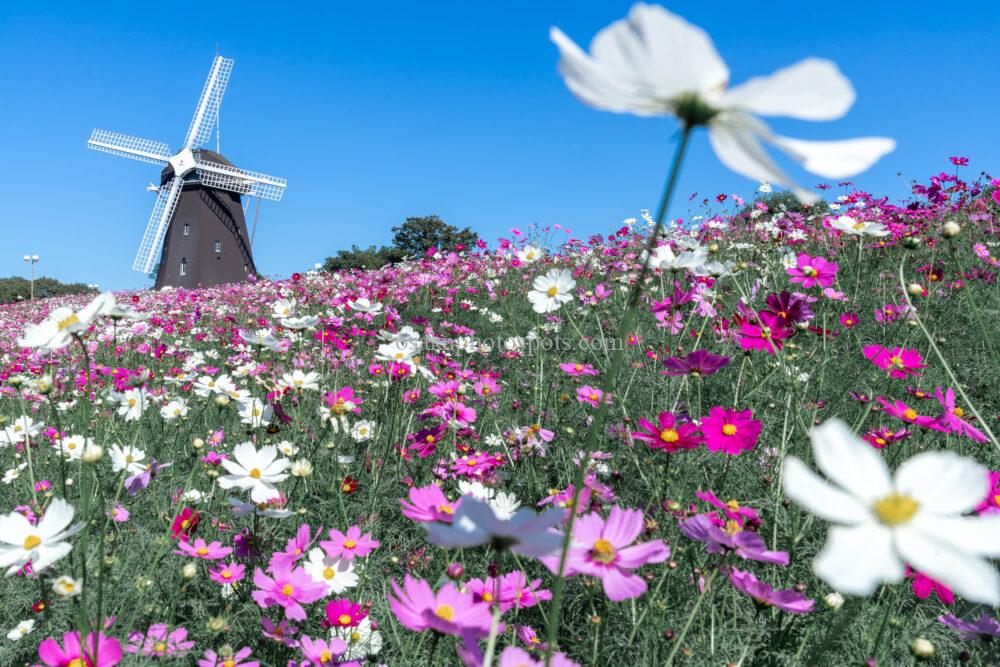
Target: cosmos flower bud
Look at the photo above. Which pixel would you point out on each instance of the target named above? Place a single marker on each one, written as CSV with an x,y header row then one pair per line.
x,y
189,571
915,289
951,229
222,400
911,242
834,601
922,648
66,587
93,453
197,443
455,571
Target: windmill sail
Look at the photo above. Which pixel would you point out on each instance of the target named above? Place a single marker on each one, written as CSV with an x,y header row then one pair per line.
x,y
156,229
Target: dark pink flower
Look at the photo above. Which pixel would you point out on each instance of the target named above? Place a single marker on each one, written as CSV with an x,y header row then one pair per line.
x,y
898,362
811,271
729,431
785,600
668,434
72,654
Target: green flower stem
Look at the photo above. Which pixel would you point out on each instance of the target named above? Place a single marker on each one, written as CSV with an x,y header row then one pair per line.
x,y
626,326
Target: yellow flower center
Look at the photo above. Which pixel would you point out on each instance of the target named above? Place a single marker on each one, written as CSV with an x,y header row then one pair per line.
x,y
445,611
896,361
228,662
355,637
733,527
350,544
129,459
227,574
72,319
809,271
328,573
287,589
76,662
958,412
578,367
603,552
447,509
728,429
255,473
895,509
552,291
31,541
669,435
201,551
470,462
344,619
326,656
160,647
858,226
593,396
910,413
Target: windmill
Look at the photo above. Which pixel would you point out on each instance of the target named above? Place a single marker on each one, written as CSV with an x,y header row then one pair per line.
x,y
197,233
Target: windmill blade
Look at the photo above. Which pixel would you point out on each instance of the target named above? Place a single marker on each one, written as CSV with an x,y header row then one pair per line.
x,y
248,183
137,148
207,111
156,229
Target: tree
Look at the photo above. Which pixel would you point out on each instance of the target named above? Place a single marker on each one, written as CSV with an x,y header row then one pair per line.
x,y
417,234
371,257
19,289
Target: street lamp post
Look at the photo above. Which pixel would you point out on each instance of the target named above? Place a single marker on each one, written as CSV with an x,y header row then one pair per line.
x,y
32,259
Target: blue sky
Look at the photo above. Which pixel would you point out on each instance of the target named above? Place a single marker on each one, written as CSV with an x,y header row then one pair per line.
x,y
377,111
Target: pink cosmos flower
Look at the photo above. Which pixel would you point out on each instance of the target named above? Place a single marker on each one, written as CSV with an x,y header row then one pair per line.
x,y
238,659
951,417
203,550
766,334
576,370
785,600
591,396
486,386
283,632
902,411
228,573
732,510
454,412
668,434
448,611
514,656
350,545
603,549
812,271
289,589
923,586
991,503
344,614
898,362
320,652
509,591
428,503
295,548
119,514
72,654
744,543
157,642
849,320
730,431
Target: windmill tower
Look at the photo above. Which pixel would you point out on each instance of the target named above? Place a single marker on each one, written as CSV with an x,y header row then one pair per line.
x,y
197,233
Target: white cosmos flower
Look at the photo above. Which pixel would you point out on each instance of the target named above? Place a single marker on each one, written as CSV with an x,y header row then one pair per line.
x,y
300,380
654,63
255,471
475,523
128,458
529,254
254,412
663,257
23,427
362,641
551,291
365,306
174,409
283,308
63,323
849,225
504,504
363,430
73,446
241,508
334,573
21,629
132,403
303,322
42,544
883,522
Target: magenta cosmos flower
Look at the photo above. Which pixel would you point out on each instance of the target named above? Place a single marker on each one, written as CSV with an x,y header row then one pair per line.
x,y
898,362
765,334
576,370
951,417
428,503
289,589
700,363
603,549
668,434
159,643
228,573
514,656
349,545
785,600
730,431
238,659
72,654
343,613
811,271
449,611
904,412
199,549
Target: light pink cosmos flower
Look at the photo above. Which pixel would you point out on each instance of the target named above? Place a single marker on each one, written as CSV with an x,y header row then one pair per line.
x,y
295,548
592,396
289,589
428,503
812,271
157,642
72,653
786,600
898,362
448,611
201,549
576,370
349,545
509,591
283,632
238,659
603,549
320,652
514,656
228,573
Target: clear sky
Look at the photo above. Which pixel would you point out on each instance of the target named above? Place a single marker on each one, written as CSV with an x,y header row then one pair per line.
x,y
377,111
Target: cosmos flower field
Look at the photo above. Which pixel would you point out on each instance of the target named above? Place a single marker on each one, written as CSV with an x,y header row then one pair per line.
x,y
763,432
381,466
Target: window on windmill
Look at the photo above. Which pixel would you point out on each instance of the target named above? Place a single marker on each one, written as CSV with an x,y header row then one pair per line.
x,y
184,266
187,230
218,246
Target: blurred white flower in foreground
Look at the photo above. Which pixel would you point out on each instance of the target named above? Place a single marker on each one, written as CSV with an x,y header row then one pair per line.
x,y
62,323
654,63
255,471
551,291
475,523
884,522
42,544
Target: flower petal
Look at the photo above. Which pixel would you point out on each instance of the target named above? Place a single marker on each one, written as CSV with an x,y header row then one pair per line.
x,y
811,89
943,482
835,159
971,577
820,497
840,563
623,526
849,461
979,535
